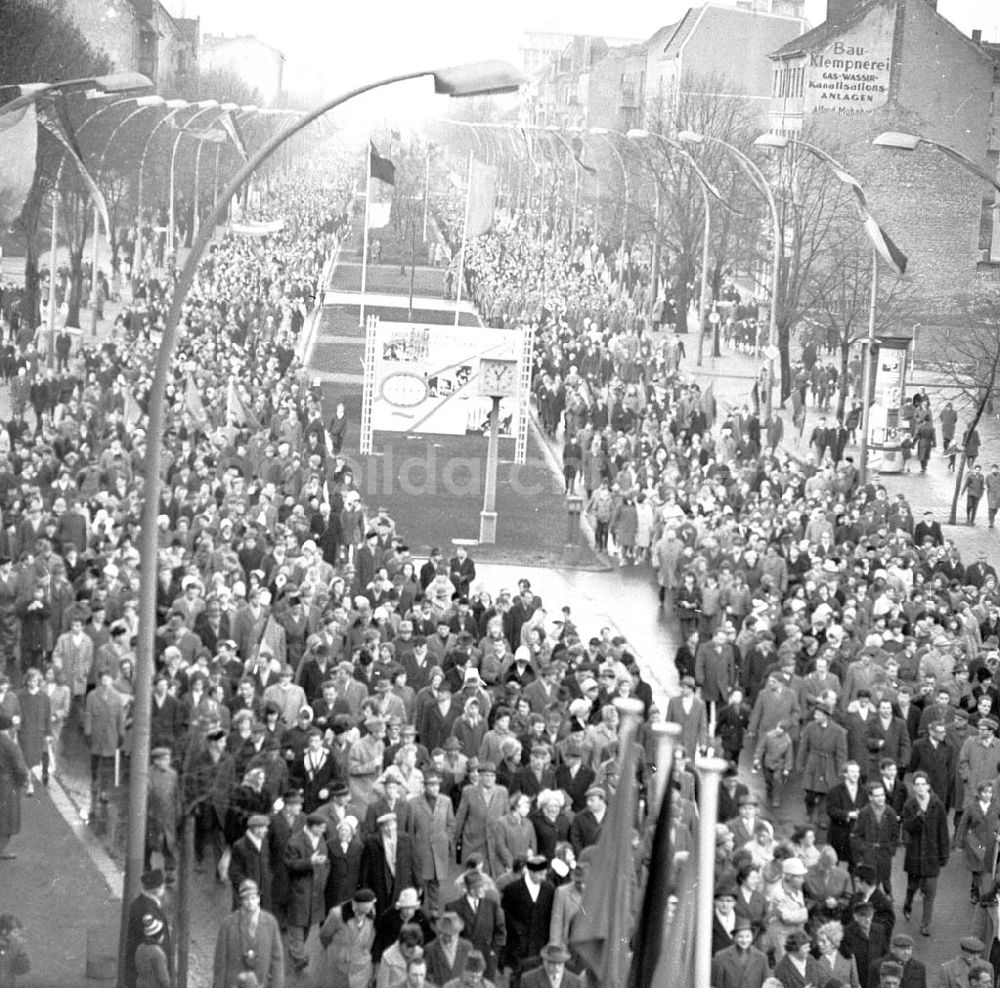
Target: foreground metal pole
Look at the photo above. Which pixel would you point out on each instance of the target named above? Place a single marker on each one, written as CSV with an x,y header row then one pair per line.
x,y
866,376
149,545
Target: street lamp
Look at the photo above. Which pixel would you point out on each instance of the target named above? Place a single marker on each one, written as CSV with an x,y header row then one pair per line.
x,y
757,179
707,188
606,134
880,245
554,131
117,82
466,80
910,142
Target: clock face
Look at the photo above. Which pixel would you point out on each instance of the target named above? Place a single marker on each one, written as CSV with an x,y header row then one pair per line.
x,y
498,377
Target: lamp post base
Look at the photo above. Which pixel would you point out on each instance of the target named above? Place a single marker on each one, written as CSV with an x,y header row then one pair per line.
x,y
487,527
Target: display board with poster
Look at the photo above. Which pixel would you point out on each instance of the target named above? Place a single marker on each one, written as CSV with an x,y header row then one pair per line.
x,y
424,378
885,424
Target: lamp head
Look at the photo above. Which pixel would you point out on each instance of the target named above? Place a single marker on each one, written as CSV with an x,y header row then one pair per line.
x,y
150,101
690,137
772,141
250,108
637,134
176,104
207,104
488,78
599,131
229,107
895,139
121,82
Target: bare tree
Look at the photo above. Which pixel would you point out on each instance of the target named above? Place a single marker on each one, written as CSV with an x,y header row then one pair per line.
x,y
970,361
841,312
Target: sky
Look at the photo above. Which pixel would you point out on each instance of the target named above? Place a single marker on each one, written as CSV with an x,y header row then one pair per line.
x,y
331,46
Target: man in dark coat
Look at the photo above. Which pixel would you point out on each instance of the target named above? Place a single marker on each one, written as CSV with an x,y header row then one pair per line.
x,y
462,570
388,864
864,940
446,954
925,830
935,756
251,858
286,822
901,951
586,826
527,908
208,785
482,918
147,903
308,866
249,940
928,528
345,850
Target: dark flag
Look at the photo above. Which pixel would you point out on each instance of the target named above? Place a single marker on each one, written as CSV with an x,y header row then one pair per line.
x,y
663,949
382,168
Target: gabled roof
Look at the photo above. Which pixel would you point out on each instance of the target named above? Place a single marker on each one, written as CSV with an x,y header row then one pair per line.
x,y
820,36
726,21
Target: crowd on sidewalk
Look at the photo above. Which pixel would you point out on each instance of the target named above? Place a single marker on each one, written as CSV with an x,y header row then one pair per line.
x,y
347,729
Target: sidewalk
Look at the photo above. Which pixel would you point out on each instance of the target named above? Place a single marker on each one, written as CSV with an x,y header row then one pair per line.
x,y
732,376
60,894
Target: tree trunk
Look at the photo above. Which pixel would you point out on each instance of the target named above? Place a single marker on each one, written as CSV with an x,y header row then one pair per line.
x,y
31,311
980,408
785,362
845,352
75,286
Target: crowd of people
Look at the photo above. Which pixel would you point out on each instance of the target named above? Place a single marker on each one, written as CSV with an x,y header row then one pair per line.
x,y
400,775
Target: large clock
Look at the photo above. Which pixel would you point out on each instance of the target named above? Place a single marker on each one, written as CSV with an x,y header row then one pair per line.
x,y
497,377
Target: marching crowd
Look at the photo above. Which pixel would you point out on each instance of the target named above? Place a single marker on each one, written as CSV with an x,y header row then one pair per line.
x,y
400,776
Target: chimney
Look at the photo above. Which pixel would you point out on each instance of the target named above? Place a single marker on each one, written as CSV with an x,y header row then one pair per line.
x,y
977,34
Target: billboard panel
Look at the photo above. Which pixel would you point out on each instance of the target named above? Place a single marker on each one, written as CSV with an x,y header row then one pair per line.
x,y
425,378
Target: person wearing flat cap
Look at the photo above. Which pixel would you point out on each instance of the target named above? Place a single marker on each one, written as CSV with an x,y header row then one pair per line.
x,y
249,941
740,965
481,806
347,936
527,908
250,857
388,862
553,972
147,904
586,826
954,973
914,973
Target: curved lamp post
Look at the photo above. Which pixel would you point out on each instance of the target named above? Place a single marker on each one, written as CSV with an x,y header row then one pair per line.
x,y
707,189
756,177
555,132
464,80
910,142
201,108
606,134
117,82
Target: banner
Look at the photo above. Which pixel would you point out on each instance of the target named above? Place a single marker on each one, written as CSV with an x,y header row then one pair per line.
x,y
482,198
18,145
426,378
257,228
232,128
378,214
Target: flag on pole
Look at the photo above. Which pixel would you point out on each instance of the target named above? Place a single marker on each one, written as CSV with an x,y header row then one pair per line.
x,y
381,168
482,198
59,125
237,410
193,405
228,123
604,925
18,145
132,413
577,145
664,941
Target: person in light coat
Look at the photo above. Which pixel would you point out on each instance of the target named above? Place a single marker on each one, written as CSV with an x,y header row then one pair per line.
x,y
347,936
432,822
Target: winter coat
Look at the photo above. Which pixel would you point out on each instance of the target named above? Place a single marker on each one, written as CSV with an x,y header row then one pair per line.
x,y
822,753
104,721
926,836
13,775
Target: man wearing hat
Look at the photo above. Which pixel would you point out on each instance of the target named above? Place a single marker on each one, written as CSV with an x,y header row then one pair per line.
x,y
552,972
586,826
690,712
740,965
482,919
572,776
249,941
163,810
286,696
527,908
148,903
913,974
208,785
447,953
481,806
955,973
432,823
788,905
864,939
308,867
251,858
387,861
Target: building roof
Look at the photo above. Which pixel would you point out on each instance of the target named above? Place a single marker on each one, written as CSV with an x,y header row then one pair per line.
x,y
210,41
713,18
821,36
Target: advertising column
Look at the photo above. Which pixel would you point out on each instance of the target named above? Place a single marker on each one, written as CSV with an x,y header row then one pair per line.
x,y
885,425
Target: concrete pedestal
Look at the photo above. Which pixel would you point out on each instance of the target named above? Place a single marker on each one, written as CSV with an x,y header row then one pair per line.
x,y
487,527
